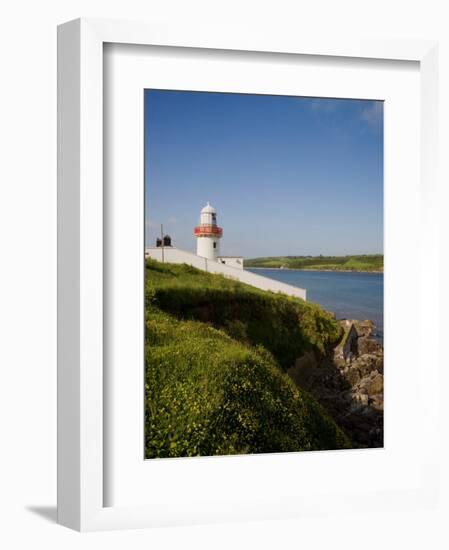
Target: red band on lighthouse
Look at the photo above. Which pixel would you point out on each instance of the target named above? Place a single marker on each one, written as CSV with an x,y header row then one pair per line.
x,y
208,230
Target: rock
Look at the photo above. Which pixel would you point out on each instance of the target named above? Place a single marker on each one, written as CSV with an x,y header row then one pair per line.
x,y
346,397
364,328
368,363
349,382
375,384
352,375
367,344
377,401
380,364
362,398
355,407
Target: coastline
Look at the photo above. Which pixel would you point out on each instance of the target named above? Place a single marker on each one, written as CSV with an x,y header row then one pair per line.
x,y
317,270
327,288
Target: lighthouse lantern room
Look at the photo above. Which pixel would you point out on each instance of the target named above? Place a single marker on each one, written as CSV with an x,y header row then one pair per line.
x,y
208,234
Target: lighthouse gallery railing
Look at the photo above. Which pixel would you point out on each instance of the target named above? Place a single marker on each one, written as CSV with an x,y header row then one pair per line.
x,y
207,230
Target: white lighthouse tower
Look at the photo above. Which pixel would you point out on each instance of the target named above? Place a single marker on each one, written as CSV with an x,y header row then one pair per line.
x,y
208,234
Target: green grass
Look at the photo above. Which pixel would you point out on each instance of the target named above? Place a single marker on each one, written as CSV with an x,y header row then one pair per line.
x,y
214,382
369,262
287,327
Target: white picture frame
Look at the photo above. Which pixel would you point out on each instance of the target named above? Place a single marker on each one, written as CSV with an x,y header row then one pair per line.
x,y
81,386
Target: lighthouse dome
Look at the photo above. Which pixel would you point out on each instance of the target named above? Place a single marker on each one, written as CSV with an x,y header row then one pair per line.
x,y
208,209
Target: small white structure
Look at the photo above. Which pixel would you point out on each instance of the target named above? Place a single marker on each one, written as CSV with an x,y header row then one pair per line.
x,y
207,257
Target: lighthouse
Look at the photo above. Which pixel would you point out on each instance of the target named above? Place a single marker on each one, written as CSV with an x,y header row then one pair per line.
x,y
208,234
208,257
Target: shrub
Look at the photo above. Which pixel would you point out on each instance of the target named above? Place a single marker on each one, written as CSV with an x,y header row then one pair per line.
x,y
207,394
285,326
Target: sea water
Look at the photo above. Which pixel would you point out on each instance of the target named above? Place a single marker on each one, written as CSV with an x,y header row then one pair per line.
x,y
349,295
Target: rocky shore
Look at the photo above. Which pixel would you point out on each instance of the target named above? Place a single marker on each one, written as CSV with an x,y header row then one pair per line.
x,y
349,382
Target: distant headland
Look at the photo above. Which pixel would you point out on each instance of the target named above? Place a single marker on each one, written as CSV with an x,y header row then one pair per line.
x,y
368,263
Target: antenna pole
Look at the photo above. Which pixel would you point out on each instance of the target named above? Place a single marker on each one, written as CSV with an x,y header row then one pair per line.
x,y
162,239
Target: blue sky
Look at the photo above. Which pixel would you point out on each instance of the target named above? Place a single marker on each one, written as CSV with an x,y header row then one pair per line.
x,y
287,175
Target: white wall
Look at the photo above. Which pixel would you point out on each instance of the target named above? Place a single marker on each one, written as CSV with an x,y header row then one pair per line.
x,y
236,261
177,256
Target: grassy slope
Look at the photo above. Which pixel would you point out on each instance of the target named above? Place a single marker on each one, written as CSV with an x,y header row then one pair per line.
x,y
373,262
214,380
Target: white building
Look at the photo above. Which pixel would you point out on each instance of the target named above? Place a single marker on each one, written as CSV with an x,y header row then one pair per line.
x,y
208,258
